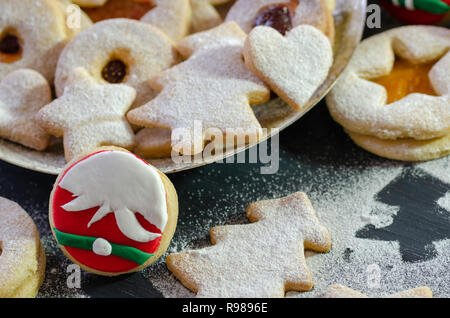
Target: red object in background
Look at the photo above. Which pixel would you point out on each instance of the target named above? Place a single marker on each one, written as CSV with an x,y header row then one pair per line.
x,y
413,16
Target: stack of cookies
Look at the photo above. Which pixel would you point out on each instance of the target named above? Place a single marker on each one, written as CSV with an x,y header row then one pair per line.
x,y
140,74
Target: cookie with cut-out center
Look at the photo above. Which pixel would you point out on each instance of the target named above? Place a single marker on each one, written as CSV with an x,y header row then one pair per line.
x,y
89,115
397,86
22,94
211,90
262,259
294,66
112,213
339,291
22,260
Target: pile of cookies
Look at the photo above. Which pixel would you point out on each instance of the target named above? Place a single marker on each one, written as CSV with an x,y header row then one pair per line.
x,y
129,73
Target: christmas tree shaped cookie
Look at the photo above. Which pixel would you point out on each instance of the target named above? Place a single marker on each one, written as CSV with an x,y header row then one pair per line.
x,y
212,88
262,259
89,115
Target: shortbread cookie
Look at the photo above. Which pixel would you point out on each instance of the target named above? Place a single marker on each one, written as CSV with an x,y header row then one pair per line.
x,y
361,105
153,143
404,149
262,259
173,17
22,261
118,51
76,20
22,94
282,15
205,15
293,66
212,89
89,115
32,35
112,213
339,291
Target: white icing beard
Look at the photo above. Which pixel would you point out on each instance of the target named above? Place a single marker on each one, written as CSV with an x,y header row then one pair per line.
x,y
119,183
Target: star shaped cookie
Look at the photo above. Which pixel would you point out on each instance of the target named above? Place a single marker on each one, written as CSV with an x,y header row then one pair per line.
x,y
22,94
212,87
89,115
262,259
339,291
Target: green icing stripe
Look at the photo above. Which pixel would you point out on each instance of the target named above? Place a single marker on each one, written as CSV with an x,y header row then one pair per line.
x,y
86,242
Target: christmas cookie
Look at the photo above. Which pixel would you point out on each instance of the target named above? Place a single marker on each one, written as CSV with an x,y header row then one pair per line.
x,y
89,115
205,15
32,35
212,88
339,291
262,259
294,66
153,143
112,213
397,85
22,94
90,3
282,15
22,261
118,51
76,19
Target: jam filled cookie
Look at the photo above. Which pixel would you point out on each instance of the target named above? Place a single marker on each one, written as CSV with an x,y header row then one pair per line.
x,y
32,35
212,87
22,94
339,291
118,51
282,15
294,66
89,115
22,261
112,213
263,259
395,93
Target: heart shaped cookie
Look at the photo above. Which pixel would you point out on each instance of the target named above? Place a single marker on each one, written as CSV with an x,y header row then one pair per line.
x,y
293,66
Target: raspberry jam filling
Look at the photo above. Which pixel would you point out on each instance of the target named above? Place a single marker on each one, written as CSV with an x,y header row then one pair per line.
x,y
407,78
131,9
278,16
10,49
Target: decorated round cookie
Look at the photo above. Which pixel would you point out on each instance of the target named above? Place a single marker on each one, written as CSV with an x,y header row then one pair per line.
x,y
283,15
112,213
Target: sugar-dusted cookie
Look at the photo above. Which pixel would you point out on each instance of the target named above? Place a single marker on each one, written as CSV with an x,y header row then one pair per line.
x,y
282,15
89,115
397,85
294,66
32,35
118,51
339,291
205,15
404,149
22,94
212,88
22,261
112,213
262,259
153,143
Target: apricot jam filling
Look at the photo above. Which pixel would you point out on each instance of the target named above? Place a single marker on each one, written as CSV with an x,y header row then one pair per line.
x,y
131,9
10,49
406,78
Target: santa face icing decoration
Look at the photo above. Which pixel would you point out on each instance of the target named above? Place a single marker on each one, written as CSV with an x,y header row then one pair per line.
x,y
109,211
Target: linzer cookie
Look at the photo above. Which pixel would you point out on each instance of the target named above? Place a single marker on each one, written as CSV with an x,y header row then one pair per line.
x,y
22,94
282,15
32,35
262,259
89,115
22,261
339,291
118,51
112,213
212,88
393,98
294,66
